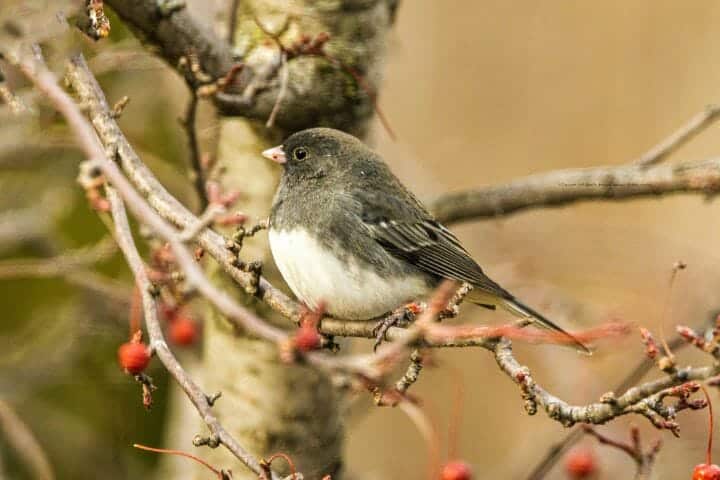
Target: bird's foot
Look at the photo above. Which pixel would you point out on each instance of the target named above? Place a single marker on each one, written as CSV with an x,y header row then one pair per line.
x,y
401,317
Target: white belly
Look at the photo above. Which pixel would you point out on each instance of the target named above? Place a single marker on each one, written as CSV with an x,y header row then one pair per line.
x,y
317,276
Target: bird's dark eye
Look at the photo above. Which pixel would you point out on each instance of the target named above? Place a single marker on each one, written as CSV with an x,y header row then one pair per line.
x,y
299,153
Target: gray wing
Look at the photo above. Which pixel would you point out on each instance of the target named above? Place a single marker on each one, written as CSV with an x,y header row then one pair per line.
x,y
402,226
434,249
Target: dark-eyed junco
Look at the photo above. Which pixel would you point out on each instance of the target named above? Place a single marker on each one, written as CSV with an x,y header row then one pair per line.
x,y
346,233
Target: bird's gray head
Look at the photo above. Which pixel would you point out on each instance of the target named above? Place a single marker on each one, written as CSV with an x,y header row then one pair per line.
x,y
318,152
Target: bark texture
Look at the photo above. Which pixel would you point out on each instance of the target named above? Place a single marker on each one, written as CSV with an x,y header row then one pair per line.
x,y
269,406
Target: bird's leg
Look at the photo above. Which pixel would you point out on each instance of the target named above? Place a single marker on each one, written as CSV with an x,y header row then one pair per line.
x,y
400,317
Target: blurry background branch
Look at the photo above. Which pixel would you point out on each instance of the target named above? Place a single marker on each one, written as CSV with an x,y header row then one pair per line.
x,y
60,265
23,441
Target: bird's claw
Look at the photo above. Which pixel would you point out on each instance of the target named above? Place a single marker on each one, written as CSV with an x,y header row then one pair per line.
x,y
400,317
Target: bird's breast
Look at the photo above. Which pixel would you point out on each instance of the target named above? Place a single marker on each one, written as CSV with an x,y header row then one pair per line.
x,y
349,288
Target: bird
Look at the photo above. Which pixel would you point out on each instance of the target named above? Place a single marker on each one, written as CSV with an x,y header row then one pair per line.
x,y
346,234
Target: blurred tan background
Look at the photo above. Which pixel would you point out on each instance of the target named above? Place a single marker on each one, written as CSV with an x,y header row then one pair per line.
x,y
484,92
479,93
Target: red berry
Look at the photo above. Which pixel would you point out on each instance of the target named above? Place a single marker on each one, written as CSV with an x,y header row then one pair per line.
x,y
456,470
307,338
580,463
133,357
183,331
704,471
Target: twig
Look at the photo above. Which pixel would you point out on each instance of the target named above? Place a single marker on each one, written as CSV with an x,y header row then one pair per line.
x,y
681,136
427,431
60,265
284,74
645,399
644,459
73,268
189,123
555,452
565,187
391,352
221,474
45,81
411,374
99,284
157,196
24,442
157,340
205,220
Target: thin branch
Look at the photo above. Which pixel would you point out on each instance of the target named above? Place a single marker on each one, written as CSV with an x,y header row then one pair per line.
x,y
23,441
73,268
158,197
634,376
645,399
641,178
412,373
681,136
45,81
34,223
60,265
189,123
564,187
219,473
644,459
204,221
94,282
157,340
284,75
428,432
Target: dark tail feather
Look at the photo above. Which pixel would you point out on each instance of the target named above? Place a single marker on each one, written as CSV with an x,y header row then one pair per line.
x,y
516,306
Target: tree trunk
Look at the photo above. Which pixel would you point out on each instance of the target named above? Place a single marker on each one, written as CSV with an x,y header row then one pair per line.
x,y
267,405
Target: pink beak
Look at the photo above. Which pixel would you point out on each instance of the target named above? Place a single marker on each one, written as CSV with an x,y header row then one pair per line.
x,y
276,154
